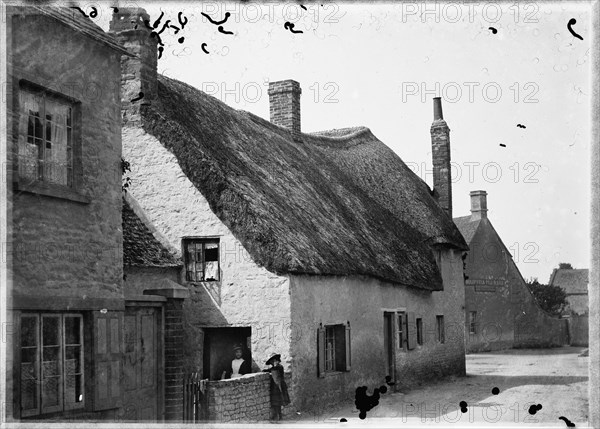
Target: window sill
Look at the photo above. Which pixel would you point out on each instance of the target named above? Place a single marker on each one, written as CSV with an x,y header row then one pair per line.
x,y
333,373
51,190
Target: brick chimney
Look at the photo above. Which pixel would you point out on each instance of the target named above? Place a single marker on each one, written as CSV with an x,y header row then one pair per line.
x,y
440,150
478,205
284,105
138,73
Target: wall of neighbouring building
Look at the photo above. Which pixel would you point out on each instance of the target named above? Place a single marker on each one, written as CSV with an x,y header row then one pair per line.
x,y
507,313
579,330
362,302
247,295
63,247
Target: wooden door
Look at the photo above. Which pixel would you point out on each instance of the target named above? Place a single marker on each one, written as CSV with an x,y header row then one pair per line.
x,y
140,369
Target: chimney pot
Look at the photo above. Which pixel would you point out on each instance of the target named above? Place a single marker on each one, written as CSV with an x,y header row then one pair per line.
x,y
438,114
478,205
284,105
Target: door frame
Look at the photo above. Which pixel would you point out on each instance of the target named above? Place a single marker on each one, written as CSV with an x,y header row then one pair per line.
x,y
160,354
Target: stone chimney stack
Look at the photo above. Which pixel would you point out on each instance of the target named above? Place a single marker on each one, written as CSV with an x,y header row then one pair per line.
x,y
284,105
440,150
478,205
138,72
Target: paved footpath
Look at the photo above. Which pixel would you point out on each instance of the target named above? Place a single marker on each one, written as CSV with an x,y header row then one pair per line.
x,y
556,379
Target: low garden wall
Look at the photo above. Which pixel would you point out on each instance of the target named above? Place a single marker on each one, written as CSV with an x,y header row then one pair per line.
x,y
243,399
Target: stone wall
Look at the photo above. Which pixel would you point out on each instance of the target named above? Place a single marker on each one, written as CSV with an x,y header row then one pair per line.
x,y
362,301
579,330
64,247
244,399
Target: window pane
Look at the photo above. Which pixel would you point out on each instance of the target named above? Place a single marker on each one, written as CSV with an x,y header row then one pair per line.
x,y
55,155
50,392
29,331
212,271
50,326
73,389
28,151
50,363
72,330
211,251
73,360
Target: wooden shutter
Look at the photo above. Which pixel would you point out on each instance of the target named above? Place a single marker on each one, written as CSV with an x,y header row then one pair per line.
x,y
108,355
348,351
411,330
321,350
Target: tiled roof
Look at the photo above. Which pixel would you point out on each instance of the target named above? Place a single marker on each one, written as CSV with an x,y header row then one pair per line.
x,y
75,20
141,248
467,227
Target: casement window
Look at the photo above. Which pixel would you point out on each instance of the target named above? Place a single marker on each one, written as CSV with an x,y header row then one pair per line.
x,y
401,333
333,348
51,363
420,331
440,329
472,322
45,140
201,259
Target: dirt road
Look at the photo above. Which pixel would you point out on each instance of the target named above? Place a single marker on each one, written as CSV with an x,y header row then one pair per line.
x,y
556,379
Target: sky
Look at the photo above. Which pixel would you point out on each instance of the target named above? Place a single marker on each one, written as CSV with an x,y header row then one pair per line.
x,y
495,65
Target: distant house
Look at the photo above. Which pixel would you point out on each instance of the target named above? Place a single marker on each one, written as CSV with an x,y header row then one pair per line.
x,y
575,283
324,247
65,274
500,310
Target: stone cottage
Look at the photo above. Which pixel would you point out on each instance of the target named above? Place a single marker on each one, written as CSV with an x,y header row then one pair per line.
x,y
84,344
500,310
323,247
575,283
64,216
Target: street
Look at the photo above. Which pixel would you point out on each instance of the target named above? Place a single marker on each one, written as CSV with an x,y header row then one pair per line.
x,y
556,379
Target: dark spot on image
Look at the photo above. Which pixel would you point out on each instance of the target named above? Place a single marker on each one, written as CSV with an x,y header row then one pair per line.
x,y
181,39
493,30
568,422
570,25
383,389
502,144
463,406
343,420
495,391
534,409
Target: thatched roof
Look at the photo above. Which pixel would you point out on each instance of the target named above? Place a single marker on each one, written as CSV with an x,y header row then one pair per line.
x,y
338,203
573,281
467,226
141,247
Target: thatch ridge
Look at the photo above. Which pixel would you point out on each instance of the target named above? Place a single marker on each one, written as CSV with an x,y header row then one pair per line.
x,y
293,207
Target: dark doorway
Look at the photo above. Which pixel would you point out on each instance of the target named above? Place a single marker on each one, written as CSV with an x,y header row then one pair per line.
x,y
218,349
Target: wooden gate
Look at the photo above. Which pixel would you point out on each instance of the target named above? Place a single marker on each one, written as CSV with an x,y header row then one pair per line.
x,y
193,398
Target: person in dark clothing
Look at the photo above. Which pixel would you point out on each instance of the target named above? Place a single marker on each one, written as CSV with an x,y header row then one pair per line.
x,y
279,392
239,366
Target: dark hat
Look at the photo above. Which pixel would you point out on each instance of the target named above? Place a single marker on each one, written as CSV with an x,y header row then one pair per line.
x,y
272,358
237,347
